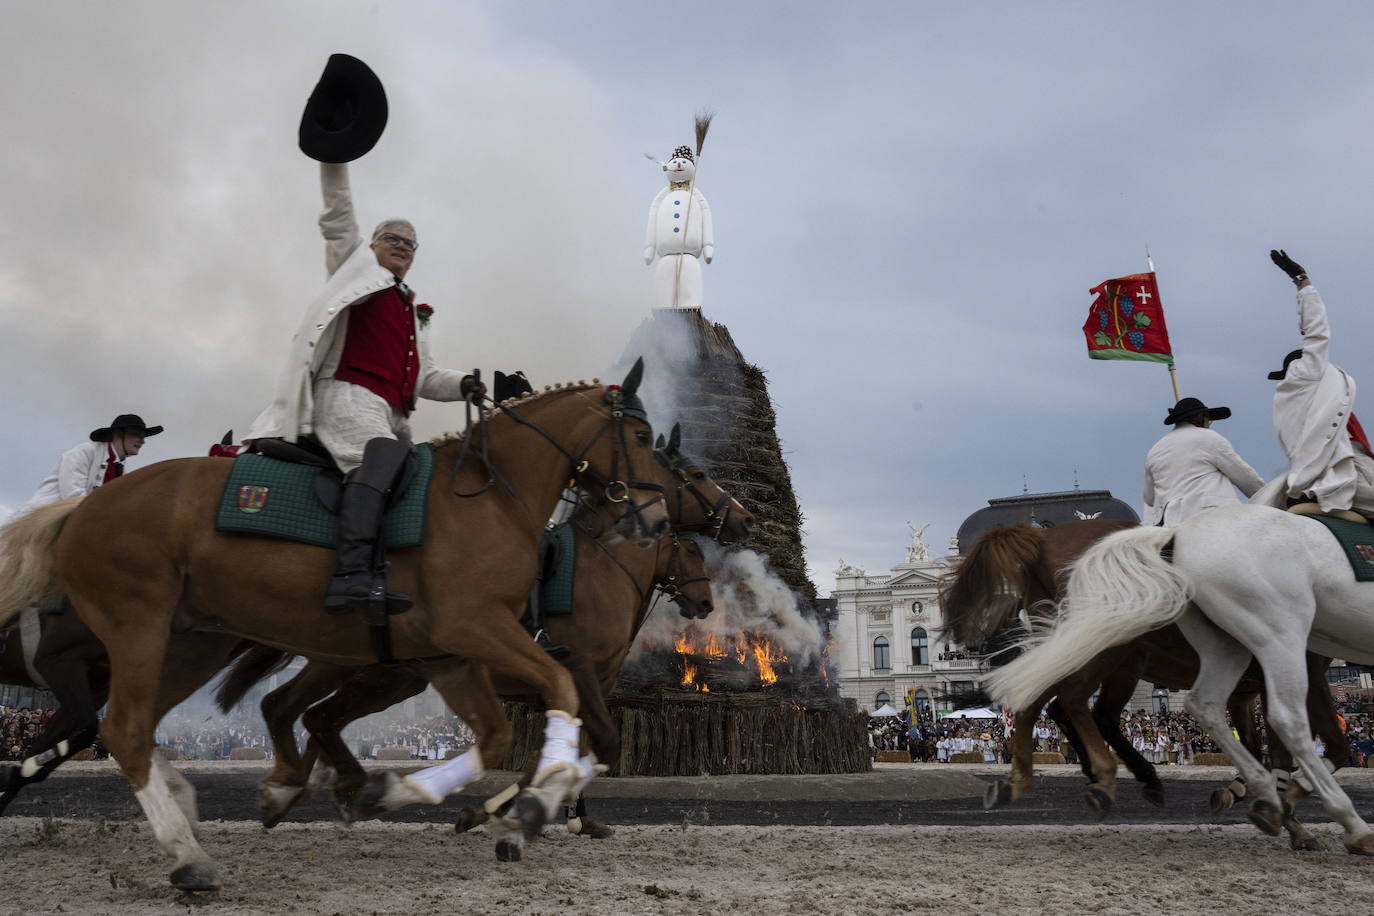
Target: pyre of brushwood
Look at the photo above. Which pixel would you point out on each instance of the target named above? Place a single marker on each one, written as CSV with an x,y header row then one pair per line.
x,y
728,424
681,733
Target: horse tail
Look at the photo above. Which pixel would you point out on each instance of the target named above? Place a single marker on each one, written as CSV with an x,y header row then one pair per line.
x,y
250,667
985,591
1120,589
28,573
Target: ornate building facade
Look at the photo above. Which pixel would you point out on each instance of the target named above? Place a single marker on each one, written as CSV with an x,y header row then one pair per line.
x,y
887,631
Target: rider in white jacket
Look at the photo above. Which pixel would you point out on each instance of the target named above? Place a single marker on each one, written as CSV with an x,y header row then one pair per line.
x,y
1329,467
1192,467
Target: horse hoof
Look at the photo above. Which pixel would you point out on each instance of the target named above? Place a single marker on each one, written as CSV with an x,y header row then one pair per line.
x,y
1310,844
506,851
468,819
1098,800
528,815
997,795
1221,800
367,802
195,878
594,829
1266,816
1364,846
345,806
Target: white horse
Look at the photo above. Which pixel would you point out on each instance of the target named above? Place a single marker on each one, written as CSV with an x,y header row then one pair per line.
x,y
1245,581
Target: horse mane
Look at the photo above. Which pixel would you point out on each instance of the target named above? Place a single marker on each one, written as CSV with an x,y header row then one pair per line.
x,y
527,398
987,587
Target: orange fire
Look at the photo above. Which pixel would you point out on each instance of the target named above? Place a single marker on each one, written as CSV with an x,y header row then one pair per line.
x,y
748,648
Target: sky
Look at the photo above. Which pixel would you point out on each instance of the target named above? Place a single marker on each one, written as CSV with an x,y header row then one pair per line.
x,y
911,201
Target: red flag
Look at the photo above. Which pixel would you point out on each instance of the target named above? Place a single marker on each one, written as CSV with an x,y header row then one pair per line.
x,y
1127,321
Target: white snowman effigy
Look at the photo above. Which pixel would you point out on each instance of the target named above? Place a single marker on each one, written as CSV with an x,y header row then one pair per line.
x,y
679,233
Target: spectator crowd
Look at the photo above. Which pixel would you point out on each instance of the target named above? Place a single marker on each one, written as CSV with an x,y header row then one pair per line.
x,y
1162,738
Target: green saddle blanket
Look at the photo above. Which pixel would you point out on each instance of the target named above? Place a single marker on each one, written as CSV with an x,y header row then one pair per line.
x,y
277,499
1358,542
556,591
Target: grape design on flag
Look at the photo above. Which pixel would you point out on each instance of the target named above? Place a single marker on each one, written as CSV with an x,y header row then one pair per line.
x,y
1127,321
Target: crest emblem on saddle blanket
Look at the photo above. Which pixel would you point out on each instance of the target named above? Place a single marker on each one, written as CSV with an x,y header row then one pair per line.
x,y
252,498
1366,552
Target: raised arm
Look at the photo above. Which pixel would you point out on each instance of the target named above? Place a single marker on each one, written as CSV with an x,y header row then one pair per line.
x,y
338,225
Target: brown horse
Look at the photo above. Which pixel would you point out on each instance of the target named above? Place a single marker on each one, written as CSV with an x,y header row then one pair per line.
x,y
612,595
140,558
1013,567
614,587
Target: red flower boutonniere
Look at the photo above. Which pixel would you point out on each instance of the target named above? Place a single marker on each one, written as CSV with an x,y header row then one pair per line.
x,y
423,313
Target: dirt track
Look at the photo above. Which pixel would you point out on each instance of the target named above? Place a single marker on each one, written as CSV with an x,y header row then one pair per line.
x,y
95,865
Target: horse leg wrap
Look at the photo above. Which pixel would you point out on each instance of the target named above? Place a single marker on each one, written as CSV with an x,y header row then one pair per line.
x,y
1237,787
1303,779
446,778
498,801
590,770
1281,779
562,734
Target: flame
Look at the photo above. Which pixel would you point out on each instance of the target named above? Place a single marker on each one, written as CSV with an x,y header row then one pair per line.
x,y
750,649
764,658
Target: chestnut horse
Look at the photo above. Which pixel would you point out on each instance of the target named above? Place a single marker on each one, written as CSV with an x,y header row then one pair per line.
x,y
1015,567
140,558
613,595
612,598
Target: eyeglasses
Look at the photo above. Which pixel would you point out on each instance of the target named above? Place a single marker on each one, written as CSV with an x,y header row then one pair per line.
x,y
393,239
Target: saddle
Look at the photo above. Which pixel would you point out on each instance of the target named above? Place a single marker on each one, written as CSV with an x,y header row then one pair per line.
x,y
290,490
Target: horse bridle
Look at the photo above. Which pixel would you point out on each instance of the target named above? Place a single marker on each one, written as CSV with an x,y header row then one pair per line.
x,y
614,488
717,513
674,584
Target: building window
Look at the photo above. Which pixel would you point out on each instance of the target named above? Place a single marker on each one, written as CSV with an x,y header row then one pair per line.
x,y
920,647
922,701
881,700
882,654
960,688
1160,696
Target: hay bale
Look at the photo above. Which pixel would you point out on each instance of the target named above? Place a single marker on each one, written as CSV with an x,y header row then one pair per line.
x,y
1212,760
893,757
84,754
248,753
393,753
171,753
1040,757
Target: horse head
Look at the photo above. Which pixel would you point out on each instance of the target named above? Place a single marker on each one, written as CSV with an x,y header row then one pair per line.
x,y
682,577
701,504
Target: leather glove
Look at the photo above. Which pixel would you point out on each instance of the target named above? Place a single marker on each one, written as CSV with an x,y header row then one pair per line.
x,y
472,385
1287,265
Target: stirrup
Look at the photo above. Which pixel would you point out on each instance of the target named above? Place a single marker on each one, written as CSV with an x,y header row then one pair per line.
x,y
354,595
557,650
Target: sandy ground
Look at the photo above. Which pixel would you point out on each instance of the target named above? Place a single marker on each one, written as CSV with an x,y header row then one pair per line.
x,y
83,867
91,865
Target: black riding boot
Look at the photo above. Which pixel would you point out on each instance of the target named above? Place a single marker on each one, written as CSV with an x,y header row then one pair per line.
x,y
361,576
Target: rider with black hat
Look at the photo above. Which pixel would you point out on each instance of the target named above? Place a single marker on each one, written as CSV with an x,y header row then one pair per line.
x,y
1192,467
1330,470
360,358
83,468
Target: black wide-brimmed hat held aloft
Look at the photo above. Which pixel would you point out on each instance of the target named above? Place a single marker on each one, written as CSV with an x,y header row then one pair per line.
x,y
1278,376
346,113
1192,408
124,421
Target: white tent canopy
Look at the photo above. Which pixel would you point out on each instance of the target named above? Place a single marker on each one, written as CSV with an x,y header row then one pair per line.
x,y
978,712
883,711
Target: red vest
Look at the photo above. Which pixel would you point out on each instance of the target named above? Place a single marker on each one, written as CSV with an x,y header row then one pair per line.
x,y
379,352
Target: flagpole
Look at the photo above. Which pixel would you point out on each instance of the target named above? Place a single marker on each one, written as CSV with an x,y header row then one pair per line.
x,y
1173,374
